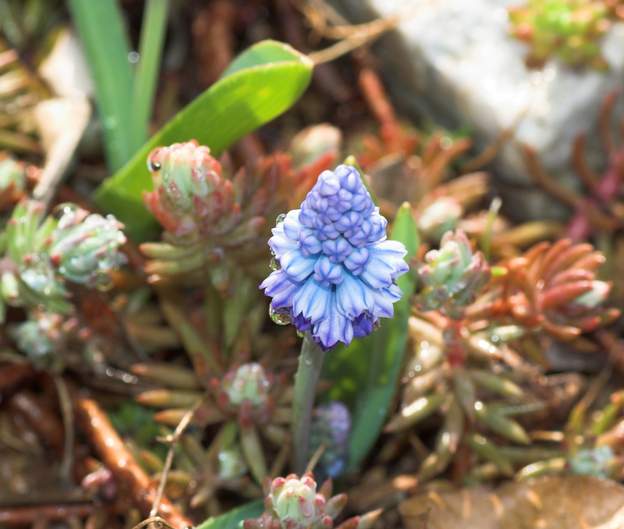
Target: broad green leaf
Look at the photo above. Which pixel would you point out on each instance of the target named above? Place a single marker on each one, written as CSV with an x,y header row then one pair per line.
x,y
232,519
263,82
365,374
102,31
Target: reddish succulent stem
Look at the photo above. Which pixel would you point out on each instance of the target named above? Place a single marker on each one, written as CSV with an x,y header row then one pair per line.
x,y
379,104
609,186
455,350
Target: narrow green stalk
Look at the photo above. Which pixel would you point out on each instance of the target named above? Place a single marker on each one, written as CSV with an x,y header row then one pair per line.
x,y
102,31
308,372
150,49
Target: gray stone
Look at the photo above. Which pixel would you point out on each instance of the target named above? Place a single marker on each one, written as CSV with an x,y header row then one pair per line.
x,y
454,61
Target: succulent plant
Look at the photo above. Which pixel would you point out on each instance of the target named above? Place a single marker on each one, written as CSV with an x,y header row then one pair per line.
x,y
248,400
453,275
13,181
212,217
293,502
40,336
440,216
596,206
84,247
467,374
590,441
190,194
42,254
567,29
471,387
248,383
554,287
593,462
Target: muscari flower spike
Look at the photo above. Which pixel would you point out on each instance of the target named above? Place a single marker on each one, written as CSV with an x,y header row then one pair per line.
x,y
337,270
331,426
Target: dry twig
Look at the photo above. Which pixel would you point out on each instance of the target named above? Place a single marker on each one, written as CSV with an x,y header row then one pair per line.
x,y
122,464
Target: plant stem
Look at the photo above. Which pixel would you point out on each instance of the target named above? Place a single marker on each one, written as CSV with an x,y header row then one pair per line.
x,y
101,26
150,50
308,372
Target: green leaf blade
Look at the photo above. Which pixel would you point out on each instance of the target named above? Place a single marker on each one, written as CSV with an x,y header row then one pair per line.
x,y
233,518
265,52
234,106
365,374
102,31
150,50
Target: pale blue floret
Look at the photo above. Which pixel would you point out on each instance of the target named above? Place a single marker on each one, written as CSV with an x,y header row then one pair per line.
x,y
337,269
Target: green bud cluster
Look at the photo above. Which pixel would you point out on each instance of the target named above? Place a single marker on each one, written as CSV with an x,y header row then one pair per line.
x,y
42,253
453,275
568,29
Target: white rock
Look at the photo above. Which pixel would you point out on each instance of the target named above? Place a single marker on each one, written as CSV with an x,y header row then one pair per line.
x,y
455,60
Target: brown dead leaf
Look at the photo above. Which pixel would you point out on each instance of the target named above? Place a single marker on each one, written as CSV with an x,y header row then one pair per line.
x,y
552,502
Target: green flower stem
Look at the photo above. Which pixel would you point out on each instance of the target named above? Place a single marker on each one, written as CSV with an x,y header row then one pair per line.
x,y
308,372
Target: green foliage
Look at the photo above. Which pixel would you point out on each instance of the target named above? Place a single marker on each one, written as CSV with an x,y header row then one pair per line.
x,y
233,518
568,29
150,49
260,84
365,374
101,28
137,422
125,117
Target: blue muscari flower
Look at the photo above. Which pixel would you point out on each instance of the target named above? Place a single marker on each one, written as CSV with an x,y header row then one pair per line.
x,y
337,269
331,426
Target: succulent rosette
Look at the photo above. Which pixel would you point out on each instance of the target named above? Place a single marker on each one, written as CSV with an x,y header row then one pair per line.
x,y
12,181
190,193
336,269
40,335
247,383
452,275
44,253
85,247
294,502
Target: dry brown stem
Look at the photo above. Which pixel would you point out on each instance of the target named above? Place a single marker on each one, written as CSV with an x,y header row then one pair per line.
x,y
116,456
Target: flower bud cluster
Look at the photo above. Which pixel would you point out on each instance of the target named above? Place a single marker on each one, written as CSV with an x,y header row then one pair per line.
x,y
42,254
294,502
453,275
